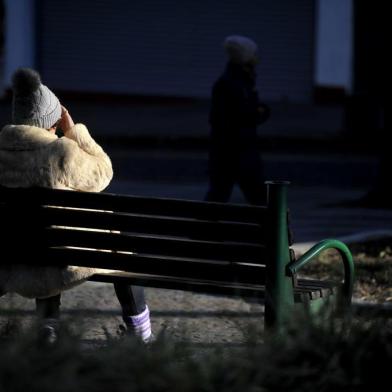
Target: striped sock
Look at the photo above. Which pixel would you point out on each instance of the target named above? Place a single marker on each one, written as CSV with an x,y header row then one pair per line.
x,y
140,324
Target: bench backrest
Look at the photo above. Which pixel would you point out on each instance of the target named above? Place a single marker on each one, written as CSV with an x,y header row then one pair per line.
x,y
221,245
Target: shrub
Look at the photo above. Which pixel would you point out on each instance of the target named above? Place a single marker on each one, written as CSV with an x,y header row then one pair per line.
x,y
331,355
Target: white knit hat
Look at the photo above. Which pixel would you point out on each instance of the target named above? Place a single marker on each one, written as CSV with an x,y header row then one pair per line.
x,y
33,103
240,49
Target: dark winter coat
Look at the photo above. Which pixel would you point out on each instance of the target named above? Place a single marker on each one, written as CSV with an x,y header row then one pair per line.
x,y
234,114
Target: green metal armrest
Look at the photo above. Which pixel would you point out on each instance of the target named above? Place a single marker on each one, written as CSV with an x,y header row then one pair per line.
x,y
345,254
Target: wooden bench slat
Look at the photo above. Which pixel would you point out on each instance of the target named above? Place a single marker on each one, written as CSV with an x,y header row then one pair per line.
x,y
320,288
153,265
134,204
135,223
255,290
210,250
199,286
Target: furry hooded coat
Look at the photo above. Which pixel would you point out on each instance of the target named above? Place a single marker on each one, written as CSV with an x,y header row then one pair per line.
x,y
32,156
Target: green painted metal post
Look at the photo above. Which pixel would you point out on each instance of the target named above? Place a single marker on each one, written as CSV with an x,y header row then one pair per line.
x,y
279,298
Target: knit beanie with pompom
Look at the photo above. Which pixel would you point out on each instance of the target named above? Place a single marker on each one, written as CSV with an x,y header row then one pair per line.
x,y
33,103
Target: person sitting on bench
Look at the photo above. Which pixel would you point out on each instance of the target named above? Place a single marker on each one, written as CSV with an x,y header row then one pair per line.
x,y
32,155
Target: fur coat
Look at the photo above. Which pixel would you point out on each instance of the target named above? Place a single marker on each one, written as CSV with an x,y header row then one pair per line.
x,y
31,156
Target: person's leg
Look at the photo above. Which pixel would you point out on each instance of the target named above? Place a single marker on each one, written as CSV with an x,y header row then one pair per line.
x,y
220,190
251,179
135,312
48,308
131,299
48,311
221,177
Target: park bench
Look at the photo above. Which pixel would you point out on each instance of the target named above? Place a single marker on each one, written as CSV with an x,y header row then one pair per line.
x,y
204,247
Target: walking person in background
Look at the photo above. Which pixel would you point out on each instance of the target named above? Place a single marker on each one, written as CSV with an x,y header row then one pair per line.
x,y
32,155
234,116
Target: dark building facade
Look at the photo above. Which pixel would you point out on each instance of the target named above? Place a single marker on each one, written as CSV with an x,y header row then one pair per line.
x,y
172,48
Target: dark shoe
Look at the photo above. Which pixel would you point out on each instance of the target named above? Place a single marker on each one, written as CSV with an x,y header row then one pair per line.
x,y
124,331
48,332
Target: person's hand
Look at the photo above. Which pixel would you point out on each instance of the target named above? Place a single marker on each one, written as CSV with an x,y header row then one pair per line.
x,y
66,122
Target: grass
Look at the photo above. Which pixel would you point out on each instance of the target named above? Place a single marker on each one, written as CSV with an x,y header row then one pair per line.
x,y
373,269
335,355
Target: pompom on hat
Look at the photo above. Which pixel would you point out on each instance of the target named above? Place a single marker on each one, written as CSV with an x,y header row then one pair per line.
x,y
240,49
33,103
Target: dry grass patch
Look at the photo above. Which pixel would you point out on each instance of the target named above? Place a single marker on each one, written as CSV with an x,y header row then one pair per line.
x,y
373,269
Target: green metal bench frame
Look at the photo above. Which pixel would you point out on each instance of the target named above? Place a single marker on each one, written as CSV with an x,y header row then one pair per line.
x,y
283,270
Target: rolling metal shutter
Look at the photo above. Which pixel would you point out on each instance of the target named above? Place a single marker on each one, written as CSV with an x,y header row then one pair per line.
x,y
173,47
